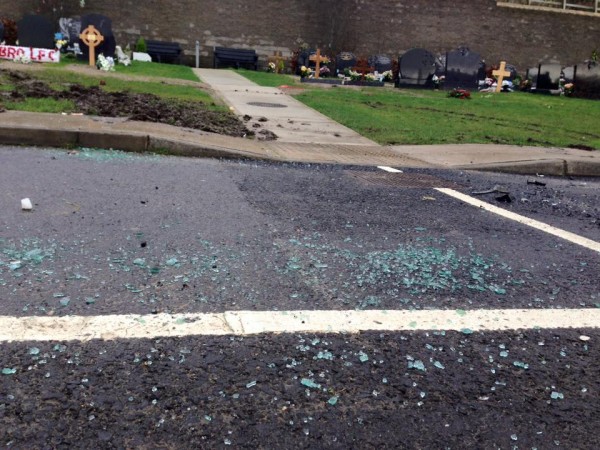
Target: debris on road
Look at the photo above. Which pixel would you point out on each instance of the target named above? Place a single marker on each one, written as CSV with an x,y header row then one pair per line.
x,y
26,204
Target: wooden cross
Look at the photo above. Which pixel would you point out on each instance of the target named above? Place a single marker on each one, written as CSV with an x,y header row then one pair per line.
x,y
277,58
363,68
318,59
501,73
92,38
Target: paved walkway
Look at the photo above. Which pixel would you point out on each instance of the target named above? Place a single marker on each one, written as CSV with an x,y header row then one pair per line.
x,y
289,119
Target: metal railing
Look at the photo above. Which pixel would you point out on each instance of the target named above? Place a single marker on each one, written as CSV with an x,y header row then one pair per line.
x,y
592,6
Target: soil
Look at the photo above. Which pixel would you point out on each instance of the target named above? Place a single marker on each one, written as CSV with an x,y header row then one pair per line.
x,y
143,107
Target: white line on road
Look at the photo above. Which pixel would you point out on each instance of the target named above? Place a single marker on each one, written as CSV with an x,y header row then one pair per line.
x,y
571,237
242,323
389,169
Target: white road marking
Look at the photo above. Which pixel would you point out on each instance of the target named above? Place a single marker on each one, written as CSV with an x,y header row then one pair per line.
x,y
567,235
389,169
243,323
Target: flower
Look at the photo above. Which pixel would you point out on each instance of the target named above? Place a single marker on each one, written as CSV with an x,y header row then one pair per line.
x,y
60,42
22,59
568,89
271,67
388,75
462,94
305,72
106,64
324,71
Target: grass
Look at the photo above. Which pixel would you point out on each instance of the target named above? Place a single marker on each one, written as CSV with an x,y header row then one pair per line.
x,y
150,69
45,105
267,79
60,78
142,69
402,116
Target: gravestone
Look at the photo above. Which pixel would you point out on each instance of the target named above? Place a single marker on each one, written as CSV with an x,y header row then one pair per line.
x,y
35,31
91,38
532,75
317,58
344,60
381,63
587,83
501,73
416,68
464,69
569,74
104,25
1,31
70,28
548,78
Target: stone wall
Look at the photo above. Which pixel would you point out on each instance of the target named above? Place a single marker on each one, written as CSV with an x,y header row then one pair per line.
x,y
365,27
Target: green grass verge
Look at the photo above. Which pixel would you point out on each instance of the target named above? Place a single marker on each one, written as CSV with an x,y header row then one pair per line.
x,y
142,69
61,78
151,69
402,116
267,79
45,105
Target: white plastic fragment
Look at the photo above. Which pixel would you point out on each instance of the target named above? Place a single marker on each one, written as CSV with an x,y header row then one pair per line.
x,y
584,338
26,204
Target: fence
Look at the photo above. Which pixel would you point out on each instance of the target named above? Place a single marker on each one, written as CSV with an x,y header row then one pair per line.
x,y
590,6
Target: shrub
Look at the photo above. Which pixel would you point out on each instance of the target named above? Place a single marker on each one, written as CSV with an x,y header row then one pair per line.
x,y
140,45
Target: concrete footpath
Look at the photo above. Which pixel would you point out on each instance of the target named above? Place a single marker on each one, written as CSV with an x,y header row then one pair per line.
x,y
304,135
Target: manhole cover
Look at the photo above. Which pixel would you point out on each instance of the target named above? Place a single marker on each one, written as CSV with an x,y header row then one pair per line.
x,y
403,180
267,105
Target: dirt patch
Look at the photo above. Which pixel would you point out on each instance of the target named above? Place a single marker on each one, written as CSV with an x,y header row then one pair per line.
x,y
143,107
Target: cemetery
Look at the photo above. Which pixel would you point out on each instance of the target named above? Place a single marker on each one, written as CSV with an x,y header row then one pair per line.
x,y
90,38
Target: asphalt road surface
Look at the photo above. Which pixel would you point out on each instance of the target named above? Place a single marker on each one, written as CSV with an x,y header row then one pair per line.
x,y
113,234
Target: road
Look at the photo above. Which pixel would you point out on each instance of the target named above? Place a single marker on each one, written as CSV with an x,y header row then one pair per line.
x,y
120,235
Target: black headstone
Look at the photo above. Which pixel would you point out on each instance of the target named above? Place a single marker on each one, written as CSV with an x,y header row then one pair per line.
x,y
464,68
1,31
104,25
587,82
345,60
35,31
70,28
548,77
532,75
416,68
569,74
381,63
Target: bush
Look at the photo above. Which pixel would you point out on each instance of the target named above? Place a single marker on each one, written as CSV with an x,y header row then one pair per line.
x,y
140,45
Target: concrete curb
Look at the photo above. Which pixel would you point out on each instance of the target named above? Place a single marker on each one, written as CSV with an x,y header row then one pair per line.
x,y
555,167
140,142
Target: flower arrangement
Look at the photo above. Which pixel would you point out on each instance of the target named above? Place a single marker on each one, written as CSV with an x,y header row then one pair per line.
x,y
59,43
462,94
568,89
106,64
305,72
271,67
324,71
370,77
438,81
388,75
22,59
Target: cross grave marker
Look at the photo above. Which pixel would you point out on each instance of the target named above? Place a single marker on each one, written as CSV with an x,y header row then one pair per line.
x,y
363,68
501,73
277,59
318,59
92,38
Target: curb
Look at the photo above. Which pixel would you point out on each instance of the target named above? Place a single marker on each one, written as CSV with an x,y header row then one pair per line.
x,y
553,167
131,141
